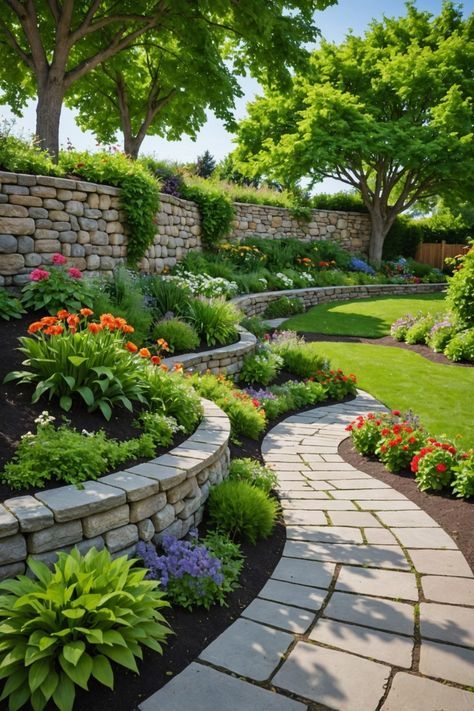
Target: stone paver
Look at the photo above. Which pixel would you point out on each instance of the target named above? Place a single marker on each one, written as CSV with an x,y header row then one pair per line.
x,y
382,646
336,679
457,591
207,688
414,693
339,609
248,649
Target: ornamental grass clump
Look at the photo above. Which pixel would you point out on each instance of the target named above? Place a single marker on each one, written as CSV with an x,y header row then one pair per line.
x,y
242,511
194,574
70,357
63,627
215,320
434,464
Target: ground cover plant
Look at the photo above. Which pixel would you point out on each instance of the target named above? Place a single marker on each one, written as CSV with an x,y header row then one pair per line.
x,y
402,444
61,628
369,318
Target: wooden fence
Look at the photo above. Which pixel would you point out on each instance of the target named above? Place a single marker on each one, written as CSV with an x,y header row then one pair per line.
x,y
434,253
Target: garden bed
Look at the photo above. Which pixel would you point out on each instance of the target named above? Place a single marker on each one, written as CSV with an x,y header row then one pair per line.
x,y
454,515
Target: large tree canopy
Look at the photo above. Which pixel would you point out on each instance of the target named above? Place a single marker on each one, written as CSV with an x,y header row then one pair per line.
x,y
389,114
49,45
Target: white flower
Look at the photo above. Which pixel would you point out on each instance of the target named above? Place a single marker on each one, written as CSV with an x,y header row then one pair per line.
x,y
87,434
27,435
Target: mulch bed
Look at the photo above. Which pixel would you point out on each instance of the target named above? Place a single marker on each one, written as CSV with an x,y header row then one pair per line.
x,y
455,516
385,341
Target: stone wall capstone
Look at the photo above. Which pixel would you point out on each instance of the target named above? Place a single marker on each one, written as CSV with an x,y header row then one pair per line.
x,y
43,215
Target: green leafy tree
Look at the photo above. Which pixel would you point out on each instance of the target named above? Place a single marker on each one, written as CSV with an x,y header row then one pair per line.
x,y
389,114
49,45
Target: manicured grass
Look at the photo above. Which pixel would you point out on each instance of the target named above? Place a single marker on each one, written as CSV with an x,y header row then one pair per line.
x,y
369,318
441,395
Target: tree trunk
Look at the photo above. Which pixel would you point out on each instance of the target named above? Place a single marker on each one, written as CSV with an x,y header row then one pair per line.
x,y
377,237
48,116
132,144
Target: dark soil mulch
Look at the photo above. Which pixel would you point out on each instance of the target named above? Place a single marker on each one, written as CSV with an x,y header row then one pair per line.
x,y
385,341
455,516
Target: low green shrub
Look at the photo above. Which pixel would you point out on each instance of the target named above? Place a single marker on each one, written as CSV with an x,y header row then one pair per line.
x,y
10,306
171,394
18,155
63,627
64,454
299,358
420,330
242,511
254,473
345,202
215,320
255,325
179,335
160,428
461,346
460,294
463,484
261,367
57,288
284,306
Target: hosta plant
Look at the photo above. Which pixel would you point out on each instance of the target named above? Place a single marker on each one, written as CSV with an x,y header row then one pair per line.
x,y
10,306
64,627
434,465
70,357
57,287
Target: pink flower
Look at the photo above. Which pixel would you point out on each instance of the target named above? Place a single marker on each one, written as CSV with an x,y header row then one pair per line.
x,y
39,275
59,259
74,273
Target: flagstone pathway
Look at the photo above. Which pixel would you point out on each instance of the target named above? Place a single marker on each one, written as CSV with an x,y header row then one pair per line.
x,y
371,606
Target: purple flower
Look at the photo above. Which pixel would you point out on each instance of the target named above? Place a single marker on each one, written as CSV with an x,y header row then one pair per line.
x,y
260,394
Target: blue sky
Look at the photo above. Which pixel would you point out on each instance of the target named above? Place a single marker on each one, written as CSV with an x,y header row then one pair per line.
x,y
334,24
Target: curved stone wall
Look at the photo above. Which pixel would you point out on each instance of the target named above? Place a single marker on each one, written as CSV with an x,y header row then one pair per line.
x,y
145,502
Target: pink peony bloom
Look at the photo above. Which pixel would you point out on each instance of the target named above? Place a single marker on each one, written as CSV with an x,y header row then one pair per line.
x,y
39,275
75,273
59,259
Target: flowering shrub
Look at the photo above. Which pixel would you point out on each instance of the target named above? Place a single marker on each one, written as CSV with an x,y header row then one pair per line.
x,y
246,256
260,368
441,333
69,357
463,484
433,465
59,287
399,328
419,331
204,285
191,573
366,432
336,383
461,346
283,281
358,265
64,454
398,444
59,628
460,295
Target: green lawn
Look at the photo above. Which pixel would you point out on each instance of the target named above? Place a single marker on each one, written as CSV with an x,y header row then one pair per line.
x,y
442,395
370,318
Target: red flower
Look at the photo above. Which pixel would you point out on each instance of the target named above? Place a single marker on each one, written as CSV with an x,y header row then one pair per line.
x,y
156,360
39,275
441,467
94,327
59,259
35,326
396,413
74,273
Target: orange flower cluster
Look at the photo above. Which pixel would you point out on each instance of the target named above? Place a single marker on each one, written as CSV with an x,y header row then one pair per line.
x,y
56,325
155,359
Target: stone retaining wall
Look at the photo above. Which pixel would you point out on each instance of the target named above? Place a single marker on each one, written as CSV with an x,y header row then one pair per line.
x,y
350,229
227,359
255,304
145,502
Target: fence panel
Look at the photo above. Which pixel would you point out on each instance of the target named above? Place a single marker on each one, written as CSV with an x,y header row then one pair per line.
x,y
434,253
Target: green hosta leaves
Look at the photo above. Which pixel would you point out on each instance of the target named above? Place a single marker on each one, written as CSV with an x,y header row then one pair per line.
x,y
74,622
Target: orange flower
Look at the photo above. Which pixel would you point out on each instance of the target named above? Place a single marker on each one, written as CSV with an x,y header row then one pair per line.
x,y
86,312
156,360
62,314
108,321
49,320
127,329
178,367
131,347
120,322
94,327
163,344
35,326
72,320
54,330
144,353
164,367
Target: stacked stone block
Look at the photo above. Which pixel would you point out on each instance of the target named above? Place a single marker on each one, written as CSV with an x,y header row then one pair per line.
x,y
164,496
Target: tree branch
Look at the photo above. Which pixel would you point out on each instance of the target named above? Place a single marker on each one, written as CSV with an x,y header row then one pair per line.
x,y
11,40
29,22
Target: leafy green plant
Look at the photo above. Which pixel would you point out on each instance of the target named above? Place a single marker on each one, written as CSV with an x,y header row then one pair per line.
x,y
92,363
179,335
461,346
398,446
123,296
64,454
463,483
460,294
10,306
260,368
366,432
171,394
57,288
336,383
160,428
216,320
139,195
255,325
433,465
242,511
167,296
254,473
284,306
18,155
63,627
299,359
216,211
419,332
